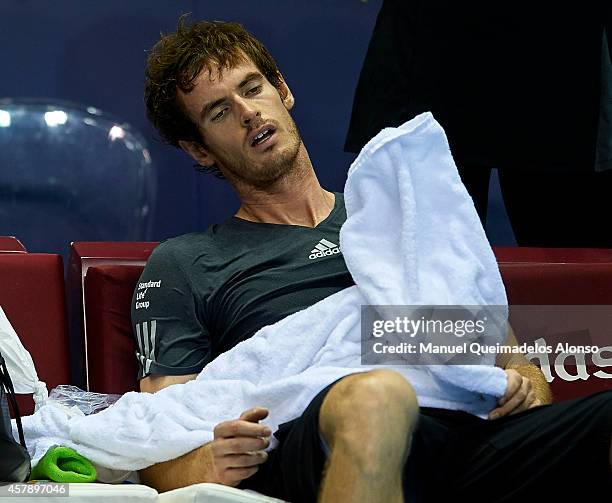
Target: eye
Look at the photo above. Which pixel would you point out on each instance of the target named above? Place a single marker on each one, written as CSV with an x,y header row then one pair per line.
x,y
254,90
220,114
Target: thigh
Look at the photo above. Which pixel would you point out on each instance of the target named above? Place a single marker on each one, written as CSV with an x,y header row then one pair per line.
x,y
560,450
557,449
424,477
294,469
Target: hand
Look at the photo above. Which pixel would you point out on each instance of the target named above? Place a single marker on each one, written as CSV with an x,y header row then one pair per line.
x,y
519,396
238,447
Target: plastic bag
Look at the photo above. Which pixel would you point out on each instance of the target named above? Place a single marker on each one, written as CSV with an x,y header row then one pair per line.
x,y
86,402
19,363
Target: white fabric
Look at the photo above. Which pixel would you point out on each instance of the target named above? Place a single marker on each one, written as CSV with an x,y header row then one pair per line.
x,y
412,236
135,493
19,364
214,493
81,493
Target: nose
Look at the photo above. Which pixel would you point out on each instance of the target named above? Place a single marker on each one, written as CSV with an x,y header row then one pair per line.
x,y
247,113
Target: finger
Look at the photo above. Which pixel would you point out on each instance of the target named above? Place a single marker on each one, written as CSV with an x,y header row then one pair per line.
x,y
515,401
240,445
255,414
536,403
526,403
514,383
518,382
254,458
240,428
233,476
519,397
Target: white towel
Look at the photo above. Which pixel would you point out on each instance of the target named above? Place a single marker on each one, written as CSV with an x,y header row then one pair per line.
x,y
412,236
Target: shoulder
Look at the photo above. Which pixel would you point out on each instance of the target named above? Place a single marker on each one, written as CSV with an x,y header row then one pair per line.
x,y
167,276
181,249
186,243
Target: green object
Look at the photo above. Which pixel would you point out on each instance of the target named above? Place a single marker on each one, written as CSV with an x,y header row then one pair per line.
x,y
63,464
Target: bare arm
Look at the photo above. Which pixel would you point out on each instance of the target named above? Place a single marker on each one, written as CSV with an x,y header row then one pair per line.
x,y
235,453
186,470
191,468
154,383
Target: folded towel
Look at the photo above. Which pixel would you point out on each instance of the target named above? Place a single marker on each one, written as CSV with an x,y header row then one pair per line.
x,y
412,237
63,464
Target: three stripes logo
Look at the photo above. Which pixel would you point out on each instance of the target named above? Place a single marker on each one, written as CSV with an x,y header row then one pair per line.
x,y
145,337
324,248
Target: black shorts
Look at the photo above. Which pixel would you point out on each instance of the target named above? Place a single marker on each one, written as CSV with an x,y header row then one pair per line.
x,y
558,452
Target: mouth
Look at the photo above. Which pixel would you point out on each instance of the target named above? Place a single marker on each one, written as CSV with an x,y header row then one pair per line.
x,y
262,135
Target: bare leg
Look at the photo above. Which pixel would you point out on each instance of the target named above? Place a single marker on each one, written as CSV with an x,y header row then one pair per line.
x,y
367,421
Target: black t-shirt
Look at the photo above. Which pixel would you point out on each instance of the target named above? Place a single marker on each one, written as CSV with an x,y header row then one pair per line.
x,y
200,294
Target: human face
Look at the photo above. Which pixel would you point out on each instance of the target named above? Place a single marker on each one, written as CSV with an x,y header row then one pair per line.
x,y
232,109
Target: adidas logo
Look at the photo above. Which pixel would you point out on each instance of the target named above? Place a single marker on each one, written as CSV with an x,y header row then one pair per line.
x,y
324,248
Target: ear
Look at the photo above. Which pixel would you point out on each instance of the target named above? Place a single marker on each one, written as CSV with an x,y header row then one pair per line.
x,y
285,93
198,152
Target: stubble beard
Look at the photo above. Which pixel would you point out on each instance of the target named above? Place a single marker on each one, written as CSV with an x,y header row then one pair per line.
x,y
275,168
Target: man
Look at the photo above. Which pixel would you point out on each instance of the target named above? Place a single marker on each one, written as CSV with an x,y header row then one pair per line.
x,y
214,91
495,83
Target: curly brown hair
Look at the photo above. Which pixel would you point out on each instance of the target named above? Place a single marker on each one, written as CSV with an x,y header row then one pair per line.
x,y
177,59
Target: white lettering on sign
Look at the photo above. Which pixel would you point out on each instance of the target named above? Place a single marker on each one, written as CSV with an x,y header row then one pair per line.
x,y
575,361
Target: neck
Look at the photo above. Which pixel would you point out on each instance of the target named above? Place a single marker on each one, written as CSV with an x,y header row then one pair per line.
x,y
295,199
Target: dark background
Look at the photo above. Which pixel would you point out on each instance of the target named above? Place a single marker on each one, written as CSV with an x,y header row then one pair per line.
x,y
93,53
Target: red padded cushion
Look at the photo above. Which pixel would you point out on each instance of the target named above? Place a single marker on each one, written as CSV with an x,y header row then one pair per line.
x,y
111,360
558,283
32,295
10,244
85,254
552,255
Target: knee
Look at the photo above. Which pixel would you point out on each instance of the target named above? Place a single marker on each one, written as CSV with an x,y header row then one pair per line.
x,y
375,405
